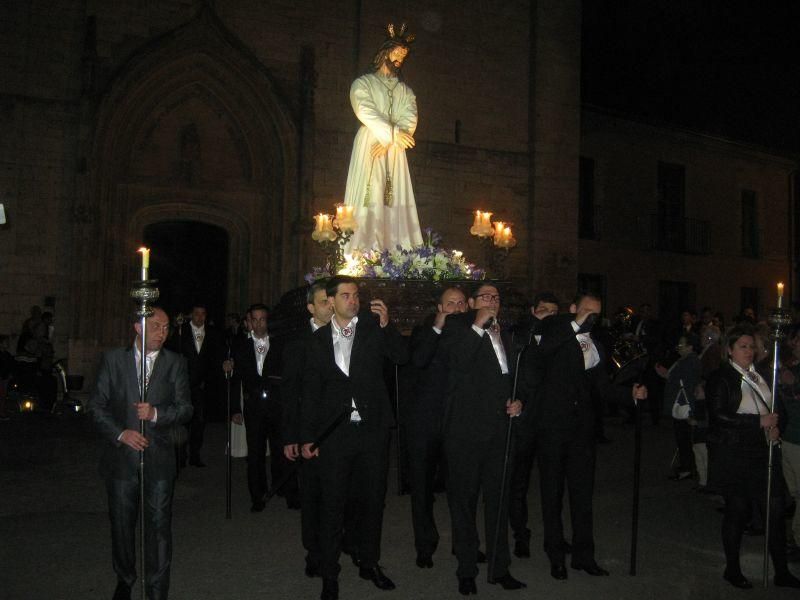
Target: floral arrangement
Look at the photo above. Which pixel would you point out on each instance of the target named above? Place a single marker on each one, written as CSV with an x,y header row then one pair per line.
x,y
427,261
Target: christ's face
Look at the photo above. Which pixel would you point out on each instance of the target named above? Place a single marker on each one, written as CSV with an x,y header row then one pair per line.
x,y
395,58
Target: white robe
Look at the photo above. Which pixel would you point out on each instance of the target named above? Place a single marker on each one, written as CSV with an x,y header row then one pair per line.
x,y
381,226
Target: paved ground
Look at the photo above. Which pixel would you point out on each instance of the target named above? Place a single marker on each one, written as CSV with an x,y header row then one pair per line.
x,y
54,538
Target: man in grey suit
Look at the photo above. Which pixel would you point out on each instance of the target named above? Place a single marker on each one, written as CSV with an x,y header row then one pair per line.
x,y
116,409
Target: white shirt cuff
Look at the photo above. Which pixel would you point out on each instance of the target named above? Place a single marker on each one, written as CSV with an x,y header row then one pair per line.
x,y
479,330
575,326
437,330
155,415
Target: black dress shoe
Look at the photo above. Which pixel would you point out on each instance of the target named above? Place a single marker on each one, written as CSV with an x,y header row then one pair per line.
x,y
591,568
123,591
376,576
522,549
786,580
330,589
737,580
466,586
312,570
507,582
257,506
558,571
292,503
424,561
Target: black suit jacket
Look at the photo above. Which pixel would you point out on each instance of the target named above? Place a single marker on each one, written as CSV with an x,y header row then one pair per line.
x,y
111,405
327,391
429,372
246,379
555,384
293,365
477,391
204,367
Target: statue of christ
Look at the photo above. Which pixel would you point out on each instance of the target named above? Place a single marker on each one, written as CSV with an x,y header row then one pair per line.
x,y
378,181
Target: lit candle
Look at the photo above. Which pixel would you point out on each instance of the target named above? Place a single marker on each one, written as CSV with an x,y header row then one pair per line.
x,y
486,224
145,252
780,295
476,224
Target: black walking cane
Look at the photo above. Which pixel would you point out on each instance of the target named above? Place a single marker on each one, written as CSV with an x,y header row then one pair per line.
x,y
637,462
493,556
326,433
228,447
399,426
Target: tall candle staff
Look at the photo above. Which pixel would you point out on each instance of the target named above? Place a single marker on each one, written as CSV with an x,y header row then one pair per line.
x,y
779,318
143,293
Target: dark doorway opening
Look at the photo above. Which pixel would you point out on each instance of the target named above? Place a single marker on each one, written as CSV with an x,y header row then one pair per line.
x,y
190,261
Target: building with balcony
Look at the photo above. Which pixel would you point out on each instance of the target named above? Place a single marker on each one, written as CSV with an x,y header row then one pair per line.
x,y
680,219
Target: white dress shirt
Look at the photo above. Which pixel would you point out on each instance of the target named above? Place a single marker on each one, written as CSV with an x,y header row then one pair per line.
x,y
198,335
756,396
342,349
497,345
591,357
260,347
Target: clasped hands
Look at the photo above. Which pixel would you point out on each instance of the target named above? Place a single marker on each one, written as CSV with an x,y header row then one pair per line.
x,y
402,140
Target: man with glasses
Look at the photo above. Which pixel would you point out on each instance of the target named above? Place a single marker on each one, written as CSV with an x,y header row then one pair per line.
x,y
424,412
478,407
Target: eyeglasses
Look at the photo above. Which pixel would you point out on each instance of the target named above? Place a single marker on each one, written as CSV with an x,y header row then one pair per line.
x,y
488,297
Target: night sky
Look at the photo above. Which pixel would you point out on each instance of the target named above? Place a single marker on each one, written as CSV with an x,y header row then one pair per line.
x,y
725,68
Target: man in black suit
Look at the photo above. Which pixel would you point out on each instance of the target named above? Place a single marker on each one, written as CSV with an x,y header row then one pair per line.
x,y
479,405
294,365
256,372
201,346
545,304
116,410
424,413
558,376
344,382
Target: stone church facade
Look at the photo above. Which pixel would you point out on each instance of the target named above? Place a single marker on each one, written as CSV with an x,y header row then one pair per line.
x,y
120,115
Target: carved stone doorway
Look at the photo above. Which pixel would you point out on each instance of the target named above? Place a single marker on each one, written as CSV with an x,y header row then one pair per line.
x,y
190,261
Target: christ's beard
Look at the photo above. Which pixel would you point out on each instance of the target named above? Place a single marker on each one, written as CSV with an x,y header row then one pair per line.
x,y
393,69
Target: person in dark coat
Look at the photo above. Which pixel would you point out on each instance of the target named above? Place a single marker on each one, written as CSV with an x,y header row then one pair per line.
x,y
202,347
558,377
545,304
344,385
292,373
742,424
256,372
479,405
116,410
424,414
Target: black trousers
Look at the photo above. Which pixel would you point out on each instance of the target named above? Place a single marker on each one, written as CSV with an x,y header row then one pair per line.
x,y
425,459
524,454
310,507
262,419
352,458
475,466
197,425
567,458
123,509
683,439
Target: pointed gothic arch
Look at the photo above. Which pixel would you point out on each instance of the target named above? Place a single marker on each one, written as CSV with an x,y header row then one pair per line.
x,y
192,91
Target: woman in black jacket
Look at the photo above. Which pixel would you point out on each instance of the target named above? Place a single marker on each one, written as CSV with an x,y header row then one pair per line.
x,y
741,422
